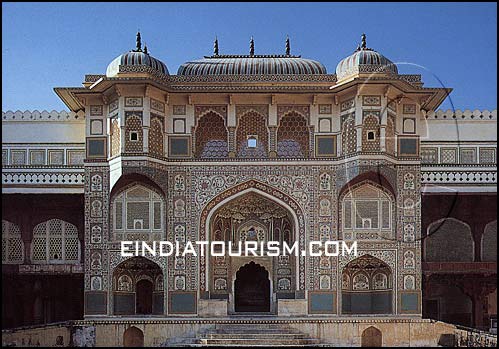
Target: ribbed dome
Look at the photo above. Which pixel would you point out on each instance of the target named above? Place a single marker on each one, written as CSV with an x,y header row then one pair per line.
x,y
134,61
364,60
251,65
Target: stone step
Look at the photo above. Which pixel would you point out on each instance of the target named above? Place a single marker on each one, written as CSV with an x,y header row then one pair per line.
x,y
250,334
253,330
253,341
261,336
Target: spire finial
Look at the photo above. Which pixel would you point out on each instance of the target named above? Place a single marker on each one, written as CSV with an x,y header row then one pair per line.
x,y
363,44
145,49
139,43
215,47
252,47
288,47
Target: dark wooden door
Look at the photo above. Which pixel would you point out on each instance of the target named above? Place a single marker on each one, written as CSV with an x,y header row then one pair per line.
x,y
252,289
144,297
371,337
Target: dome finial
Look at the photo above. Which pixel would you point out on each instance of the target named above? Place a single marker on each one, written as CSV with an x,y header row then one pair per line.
x,y
139,43
145,49
252,47
363,45
215,47
288,47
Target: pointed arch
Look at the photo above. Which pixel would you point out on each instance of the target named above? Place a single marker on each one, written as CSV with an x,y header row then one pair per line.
x,y
156,142
371,337
133,337
371,288
293,136
139,207
253,186
211,136
252,122
449,240
133,287
55,241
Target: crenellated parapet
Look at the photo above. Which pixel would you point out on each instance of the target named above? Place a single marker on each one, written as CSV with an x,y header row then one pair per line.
x,y
458,114
44,115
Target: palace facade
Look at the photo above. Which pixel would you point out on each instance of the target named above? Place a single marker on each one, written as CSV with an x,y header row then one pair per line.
x,y
249,147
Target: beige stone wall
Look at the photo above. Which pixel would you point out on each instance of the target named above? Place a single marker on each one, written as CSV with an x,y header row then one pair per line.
x,y
403,332
395,332
44,336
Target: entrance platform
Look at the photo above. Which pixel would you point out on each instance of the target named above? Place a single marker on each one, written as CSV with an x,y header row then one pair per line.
x,y
243,330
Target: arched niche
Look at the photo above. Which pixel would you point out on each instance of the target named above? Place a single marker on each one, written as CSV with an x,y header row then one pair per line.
x,y
449,240
138,287
367,287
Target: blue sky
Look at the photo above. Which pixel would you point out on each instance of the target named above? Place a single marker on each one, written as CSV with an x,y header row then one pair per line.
x,y
46,45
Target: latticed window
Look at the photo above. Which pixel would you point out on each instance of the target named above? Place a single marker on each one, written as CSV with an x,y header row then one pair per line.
x,y
138,209
367,207
55,241
293,136
12,244
348,135
156,136
252,135
211,136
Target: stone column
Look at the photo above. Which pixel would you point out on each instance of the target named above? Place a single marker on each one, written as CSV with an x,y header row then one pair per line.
x,y
272,141
477,229
478,290
232,141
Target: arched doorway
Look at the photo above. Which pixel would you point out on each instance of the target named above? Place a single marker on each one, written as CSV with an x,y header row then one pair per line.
x,y
371,337
133,337
138,287
144,297
367,287
252,289
251,215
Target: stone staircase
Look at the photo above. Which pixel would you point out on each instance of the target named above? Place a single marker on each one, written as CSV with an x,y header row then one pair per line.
x,y
250,334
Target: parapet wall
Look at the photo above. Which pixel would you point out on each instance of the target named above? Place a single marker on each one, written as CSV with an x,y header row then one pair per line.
x,y
44,115
459,114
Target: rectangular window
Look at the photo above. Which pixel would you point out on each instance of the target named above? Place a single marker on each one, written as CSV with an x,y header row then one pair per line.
x,y
385,215
347,217
179,146
408,146
118,217
325,146
96,147
157,215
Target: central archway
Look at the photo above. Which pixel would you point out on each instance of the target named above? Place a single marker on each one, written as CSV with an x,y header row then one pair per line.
x,y
252,289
